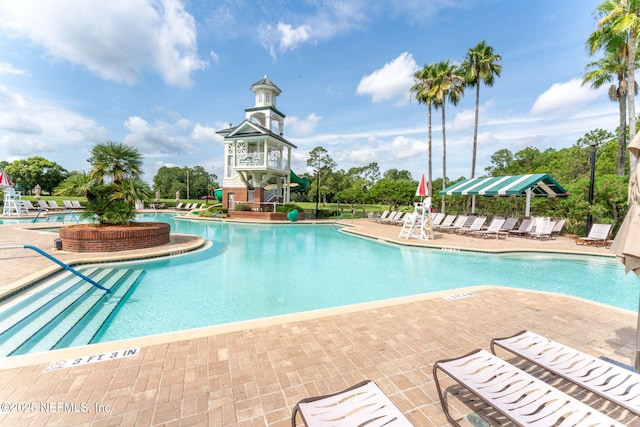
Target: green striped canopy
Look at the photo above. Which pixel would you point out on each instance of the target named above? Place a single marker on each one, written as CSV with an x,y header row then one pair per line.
x,y
541,185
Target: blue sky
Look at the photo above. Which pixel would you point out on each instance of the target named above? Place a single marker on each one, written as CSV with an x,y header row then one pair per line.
x,y
164,75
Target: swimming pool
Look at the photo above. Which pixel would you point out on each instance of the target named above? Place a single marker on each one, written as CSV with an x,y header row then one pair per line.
x,y
259,270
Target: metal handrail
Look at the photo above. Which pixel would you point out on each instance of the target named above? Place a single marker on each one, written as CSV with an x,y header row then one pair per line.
x,y
73,216
46,211
63,265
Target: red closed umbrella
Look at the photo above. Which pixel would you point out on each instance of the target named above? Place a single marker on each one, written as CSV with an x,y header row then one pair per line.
x,y
4,179
422,187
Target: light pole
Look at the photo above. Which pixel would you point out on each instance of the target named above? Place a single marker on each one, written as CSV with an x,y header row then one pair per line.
x,y
593,144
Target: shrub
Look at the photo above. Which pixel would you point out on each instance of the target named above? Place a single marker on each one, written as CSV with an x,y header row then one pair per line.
x,y
241,207
288,207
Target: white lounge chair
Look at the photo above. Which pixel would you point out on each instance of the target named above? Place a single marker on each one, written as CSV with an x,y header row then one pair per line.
x,y
43,205
380,218
459,223
520,397
509,224
599,233
359,405
620,386
493,230
476,225
436,219
67,204
447,222
54,205
76,204
525,228
27,204
542,230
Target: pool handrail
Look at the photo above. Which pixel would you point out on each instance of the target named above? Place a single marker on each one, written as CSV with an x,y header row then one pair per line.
x,y
46,211
64,266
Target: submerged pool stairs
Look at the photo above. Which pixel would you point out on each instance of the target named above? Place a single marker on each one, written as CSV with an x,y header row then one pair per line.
x,y
68,314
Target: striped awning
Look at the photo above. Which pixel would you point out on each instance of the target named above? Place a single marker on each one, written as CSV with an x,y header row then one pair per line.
x,y
541,185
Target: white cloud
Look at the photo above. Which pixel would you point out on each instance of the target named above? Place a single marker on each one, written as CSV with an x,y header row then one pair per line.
x,y
361,155
38,125
403,147
463,120
291,37
565,97
117,40
303,127
205,134
160,139
6,68
393,80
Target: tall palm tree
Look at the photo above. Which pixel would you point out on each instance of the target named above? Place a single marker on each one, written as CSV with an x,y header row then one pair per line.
x,y
620,19
481,65
421,89
448,86
604,71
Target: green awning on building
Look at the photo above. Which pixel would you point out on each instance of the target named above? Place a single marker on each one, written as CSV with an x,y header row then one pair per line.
x,y
537,185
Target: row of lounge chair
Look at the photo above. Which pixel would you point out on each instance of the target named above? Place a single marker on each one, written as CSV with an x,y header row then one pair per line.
x,y
535,228
52,205
521,397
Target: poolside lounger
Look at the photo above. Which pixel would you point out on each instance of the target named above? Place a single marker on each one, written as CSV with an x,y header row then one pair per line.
x,y
447,222
599,233
620,386
436,219
522,398
459,223
54,205
493,230
179,205
399,219
476,225
525,227
28,205
359,405
393,215
67,204
542,230
76,204
381,217
509,224
557,228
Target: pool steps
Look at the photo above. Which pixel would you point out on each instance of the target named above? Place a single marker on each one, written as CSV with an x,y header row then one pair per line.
x,y
71,313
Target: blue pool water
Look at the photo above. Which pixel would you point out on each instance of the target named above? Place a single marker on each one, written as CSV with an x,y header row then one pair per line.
x,y
253,271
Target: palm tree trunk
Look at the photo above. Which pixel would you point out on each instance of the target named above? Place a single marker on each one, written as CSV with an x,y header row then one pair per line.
x,y
429,149
622,143
444,160
631,91
475,132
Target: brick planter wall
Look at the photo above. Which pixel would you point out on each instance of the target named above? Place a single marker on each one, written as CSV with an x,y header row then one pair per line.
x,y
263,216
111,238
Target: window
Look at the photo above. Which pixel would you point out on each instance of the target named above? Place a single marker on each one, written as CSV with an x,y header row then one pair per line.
x,y
267,97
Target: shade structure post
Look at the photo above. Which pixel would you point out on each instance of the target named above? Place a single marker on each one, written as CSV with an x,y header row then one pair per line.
x,y
527,207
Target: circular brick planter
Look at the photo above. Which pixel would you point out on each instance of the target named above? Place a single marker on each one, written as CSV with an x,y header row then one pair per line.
x,y
111,238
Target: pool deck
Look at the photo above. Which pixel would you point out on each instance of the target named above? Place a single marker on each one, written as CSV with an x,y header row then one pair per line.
x,y
252,373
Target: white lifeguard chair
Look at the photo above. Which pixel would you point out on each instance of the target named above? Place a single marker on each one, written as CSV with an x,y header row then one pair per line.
x,y
418,225
13,203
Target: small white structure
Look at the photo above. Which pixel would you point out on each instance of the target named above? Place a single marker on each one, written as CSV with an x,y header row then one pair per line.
x,y
13,204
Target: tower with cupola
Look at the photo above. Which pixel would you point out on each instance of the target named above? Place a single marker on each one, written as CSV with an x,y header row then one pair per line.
x,y
257,169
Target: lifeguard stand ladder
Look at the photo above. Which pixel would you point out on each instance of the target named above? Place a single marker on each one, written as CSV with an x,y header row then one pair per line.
x,y
418,224
13,203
